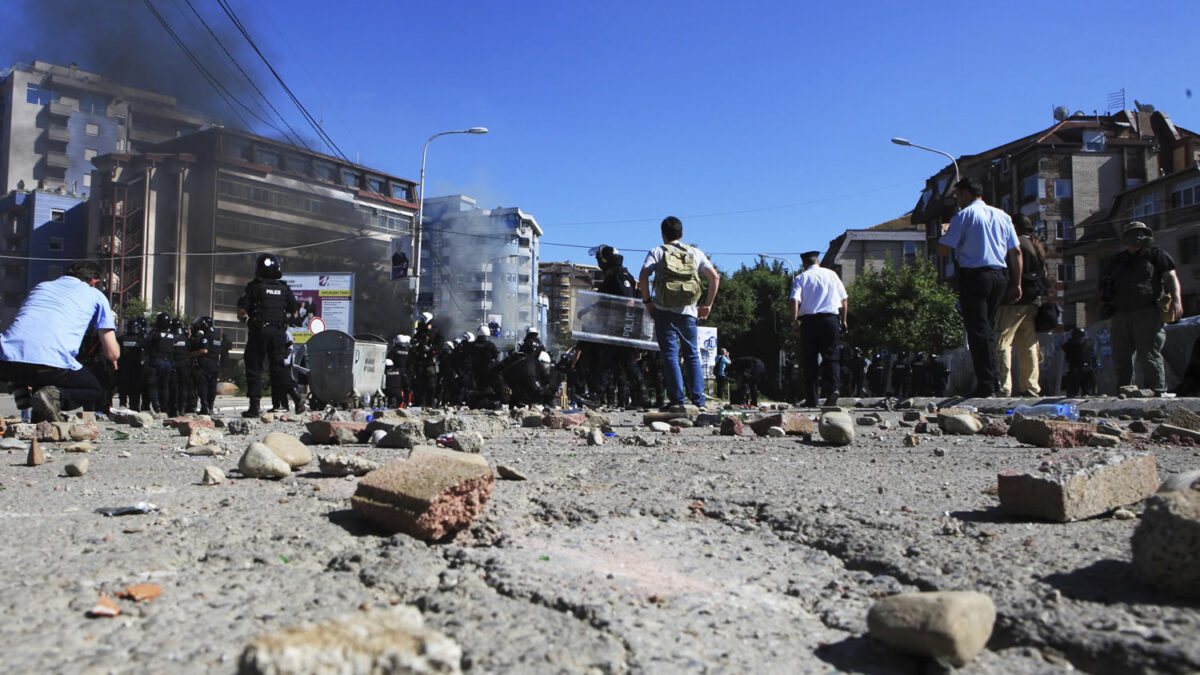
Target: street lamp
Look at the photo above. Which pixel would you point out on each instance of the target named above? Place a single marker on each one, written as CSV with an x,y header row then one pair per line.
x,y
909,144
421,210
791,267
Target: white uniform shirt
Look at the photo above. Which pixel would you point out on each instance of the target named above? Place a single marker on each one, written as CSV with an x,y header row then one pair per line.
x,y
819,291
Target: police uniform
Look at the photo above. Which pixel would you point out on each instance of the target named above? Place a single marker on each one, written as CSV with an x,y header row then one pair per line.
x,y
205,351
131,365
158,348
266,304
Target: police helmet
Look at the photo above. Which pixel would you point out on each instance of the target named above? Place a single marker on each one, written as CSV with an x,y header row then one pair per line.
x,y
425,318
136,326
1078,333
608,257
544,357
268,267
448,345
203,323
388,363
467,336
485,329
403,339
531,331
162,321
176,324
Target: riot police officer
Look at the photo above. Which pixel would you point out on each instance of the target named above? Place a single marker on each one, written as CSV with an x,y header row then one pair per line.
x,y
396,384
619,363
183,398
1080,353
204,353
158,348
131,376
266,306
485,384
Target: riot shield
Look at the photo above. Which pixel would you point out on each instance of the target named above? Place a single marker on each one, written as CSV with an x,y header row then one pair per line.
x,y
612,319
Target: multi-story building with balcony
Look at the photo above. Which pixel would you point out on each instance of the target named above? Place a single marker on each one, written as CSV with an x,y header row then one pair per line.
x,y
182,224
40,236
559,283
1062,176
55,119
480,266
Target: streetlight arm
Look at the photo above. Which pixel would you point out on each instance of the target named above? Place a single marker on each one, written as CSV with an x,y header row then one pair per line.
x,y
910,144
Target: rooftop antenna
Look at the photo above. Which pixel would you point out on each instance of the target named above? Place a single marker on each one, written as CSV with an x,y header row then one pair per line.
x,y
1116,100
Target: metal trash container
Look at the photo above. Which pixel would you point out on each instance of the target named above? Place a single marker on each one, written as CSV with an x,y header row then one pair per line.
x,y
344,371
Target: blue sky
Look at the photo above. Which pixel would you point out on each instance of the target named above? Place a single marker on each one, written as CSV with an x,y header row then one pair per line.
x,y
764,126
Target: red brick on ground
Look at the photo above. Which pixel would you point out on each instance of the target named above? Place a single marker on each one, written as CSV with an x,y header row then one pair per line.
x,y
1046,433
425,496
1078,485
325,432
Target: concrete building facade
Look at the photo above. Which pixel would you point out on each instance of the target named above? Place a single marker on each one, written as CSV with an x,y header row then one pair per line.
x,y
43,233
55,119
181,225
559,283
889,244
1060,177
480,265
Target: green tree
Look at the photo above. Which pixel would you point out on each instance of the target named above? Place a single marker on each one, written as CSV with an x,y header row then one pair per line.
x,y
906,309
752,317
134,307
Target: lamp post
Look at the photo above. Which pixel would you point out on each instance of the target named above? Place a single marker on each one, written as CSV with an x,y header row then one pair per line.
x,y
421,210
791,267
909,144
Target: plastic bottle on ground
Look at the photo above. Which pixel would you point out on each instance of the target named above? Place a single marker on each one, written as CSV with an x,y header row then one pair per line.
x,y
1068,411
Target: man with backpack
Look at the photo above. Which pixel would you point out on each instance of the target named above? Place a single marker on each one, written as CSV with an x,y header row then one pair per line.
x,y
1014,325
673,306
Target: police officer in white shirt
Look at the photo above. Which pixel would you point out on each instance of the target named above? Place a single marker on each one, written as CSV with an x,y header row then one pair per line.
x,y
820,302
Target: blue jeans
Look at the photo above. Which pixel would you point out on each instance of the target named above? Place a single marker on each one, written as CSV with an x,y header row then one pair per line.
x,y
676,333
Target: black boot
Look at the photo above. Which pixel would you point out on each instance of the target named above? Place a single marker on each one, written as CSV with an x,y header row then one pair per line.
x,y
254,410
299,401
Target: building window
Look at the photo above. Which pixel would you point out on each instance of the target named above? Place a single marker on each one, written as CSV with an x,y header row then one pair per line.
x,y
90,153
377,185
235,149
326,171
1066,272
92,129
269,157
56,243
350,178
1093,141
36,93
1032,187
97,105
1189,248
401,191
1185,194
1145,205
1064,230
299,164
120,145
1062,188
87,180
57,215
1039,229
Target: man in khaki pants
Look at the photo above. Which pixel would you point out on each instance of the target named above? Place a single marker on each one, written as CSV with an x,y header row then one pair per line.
x,y
1014,325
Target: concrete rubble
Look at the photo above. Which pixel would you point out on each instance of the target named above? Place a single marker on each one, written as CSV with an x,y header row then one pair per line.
x,y
796,545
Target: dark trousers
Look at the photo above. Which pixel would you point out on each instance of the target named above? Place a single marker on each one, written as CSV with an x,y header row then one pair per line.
x,y
980,292
266,347
819,337
159,386
76,388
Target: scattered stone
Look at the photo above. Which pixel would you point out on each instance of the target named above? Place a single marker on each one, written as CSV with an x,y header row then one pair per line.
x,y
1138,427
866,421
1078,485
776,432
203,436
922,427
377,436
660,426
1182,417
288,448
377,641
953,626
680,422
731,425
186,425
105,607
404,439
1099,440
77,468
23,431
911,440
206,451
81,446
36,456
212,476
532,421
1166,543
563,420
267,417
1112,429
1129,391
911,415
595,437
425,496
939,452
1123,514
508,473
135,419
468,441
707,420
792,423
1173,434
260,462
836,428
963,424
226,389
345,465
1188,480
240,426
1046,433
324,432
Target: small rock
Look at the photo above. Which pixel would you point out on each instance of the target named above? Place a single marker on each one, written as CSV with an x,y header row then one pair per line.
x,y
240,426
81,446
376,436
1181,481
964,424
911,440
77,468
260,462
836,428
776,432
939,452
1103,440
1138,427
1166,543
288,448
594,437
947,625
212,476
660,426
731,425
468,441
911,415
345,465
508,473
36,455
681,422
866,421
1123,514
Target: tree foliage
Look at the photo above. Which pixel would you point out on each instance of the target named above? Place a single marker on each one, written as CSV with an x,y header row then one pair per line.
x,y
906,309
752,316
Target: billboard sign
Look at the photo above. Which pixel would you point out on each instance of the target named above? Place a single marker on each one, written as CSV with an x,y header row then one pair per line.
x,y
329,297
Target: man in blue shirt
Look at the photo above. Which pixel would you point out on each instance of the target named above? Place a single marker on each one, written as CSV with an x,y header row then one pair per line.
x,y
38,349
985,244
